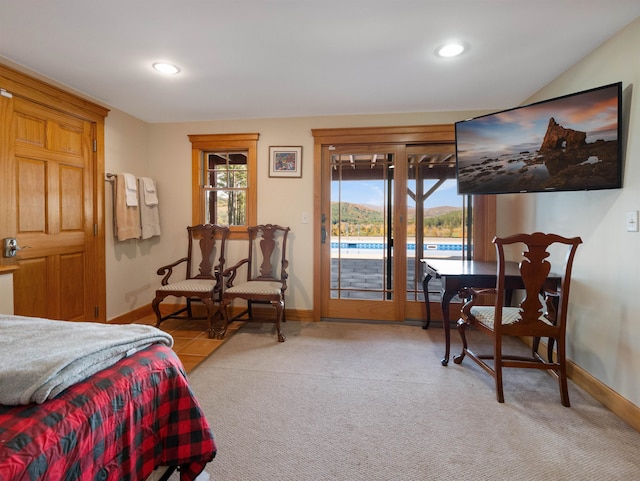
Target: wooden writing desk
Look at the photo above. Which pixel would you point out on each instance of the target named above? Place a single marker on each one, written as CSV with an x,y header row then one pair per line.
x,y
456,274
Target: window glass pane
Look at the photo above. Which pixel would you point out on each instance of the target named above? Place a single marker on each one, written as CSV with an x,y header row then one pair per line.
x,y
216,159
219,178
361,220
435,217
238,176
226,192
226,207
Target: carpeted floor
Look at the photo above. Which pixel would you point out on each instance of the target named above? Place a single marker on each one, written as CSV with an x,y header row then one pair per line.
x,y
360,401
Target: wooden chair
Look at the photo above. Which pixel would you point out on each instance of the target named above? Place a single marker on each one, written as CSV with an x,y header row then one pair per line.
x,y
204,286
266,277
541,314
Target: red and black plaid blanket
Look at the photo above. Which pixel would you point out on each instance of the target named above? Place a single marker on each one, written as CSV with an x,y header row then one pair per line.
x,y
117,425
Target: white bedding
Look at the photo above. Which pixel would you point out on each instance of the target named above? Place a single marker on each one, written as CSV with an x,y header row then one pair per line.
x,y
40,358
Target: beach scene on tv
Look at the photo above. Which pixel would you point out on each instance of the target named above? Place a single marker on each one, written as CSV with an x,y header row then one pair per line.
x,y
568,143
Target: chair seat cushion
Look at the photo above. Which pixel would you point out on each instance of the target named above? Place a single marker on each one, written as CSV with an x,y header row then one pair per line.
x,y
510,315
190,285
256,287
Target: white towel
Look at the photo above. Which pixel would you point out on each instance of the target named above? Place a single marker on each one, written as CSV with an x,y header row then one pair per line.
x,y
131,189
126,218
149,191
149,215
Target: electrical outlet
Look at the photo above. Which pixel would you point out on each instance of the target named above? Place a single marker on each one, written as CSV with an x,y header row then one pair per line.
x,y
632,221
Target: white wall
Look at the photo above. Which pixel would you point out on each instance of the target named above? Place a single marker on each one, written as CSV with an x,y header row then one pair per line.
x,y
604,316
6,288
127,263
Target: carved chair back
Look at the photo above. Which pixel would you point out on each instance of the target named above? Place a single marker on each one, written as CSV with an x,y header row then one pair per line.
x,y
542,310
267,258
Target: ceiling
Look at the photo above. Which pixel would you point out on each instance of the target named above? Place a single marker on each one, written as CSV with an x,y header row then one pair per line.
x,y
244,59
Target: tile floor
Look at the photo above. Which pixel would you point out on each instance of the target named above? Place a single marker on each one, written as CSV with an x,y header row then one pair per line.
x,y
191,342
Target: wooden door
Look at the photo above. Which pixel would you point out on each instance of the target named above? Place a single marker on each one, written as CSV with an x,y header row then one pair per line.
x,y
53,172
363,255
52,198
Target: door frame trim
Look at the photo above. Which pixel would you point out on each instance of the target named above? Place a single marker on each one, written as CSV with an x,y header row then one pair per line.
x,y
415,134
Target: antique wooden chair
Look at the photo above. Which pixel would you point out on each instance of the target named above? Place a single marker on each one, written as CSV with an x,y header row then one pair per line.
x,y
206,243
266,277
541,314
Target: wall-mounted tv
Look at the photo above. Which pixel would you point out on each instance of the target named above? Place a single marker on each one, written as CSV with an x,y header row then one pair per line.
x,y
566,143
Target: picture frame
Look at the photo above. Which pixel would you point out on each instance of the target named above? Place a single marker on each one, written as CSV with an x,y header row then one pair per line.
x,y
285,161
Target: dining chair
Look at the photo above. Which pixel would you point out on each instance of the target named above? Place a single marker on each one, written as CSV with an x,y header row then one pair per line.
x,y
265,278
206,249
542,312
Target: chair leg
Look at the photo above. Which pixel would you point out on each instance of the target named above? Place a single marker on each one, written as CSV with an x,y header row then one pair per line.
x,y
461,330
155,305
220,330
497,367
279,305
562,377
208,302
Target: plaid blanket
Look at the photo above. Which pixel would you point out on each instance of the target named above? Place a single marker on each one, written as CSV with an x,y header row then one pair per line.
x,y
117,425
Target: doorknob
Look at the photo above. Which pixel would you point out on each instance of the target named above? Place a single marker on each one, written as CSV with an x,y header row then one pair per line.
x,y
11,247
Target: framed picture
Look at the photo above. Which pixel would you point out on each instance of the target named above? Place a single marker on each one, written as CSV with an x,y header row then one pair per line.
x,y
285,161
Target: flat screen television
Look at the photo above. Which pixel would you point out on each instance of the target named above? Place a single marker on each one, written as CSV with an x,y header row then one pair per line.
x,y
566,143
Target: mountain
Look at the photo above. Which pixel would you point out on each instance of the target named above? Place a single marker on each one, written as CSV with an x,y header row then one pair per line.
x,y
373,214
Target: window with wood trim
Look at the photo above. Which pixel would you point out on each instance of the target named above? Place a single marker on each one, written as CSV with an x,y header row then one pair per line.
x,y
224,189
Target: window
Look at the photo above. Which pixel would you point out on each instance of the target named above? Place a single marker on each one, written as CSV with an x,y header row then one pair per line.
x,y
224,180
225,188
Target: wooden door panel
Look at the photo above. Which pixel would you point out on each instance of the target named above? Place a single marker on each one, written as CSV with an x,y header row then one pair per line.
x,y
71,286
67,138
30,292
31,195
71,198
30,130
54,198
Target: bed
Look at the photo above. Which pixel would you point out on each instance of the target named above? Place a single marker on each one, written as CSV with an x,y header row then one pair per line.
x,y
120,423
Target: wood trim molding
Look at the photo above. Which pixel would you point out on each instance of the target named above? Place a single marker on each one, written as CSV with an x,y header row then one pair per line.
x,y
18,83
8,269
416,134
613,401
617,404
211,142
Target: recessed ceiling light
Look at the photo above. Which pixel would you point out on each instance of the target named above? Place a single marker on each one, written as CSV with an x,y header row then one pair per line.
x,y
166,68
451,50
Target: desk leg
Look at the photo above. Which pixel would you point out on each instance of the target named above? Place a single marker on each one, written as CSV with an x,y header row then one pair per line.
x,y
446,300
425,290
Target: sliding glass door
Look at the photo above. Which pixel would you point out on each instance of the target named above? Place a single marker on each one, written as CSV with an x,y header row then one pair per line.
x,y
386,207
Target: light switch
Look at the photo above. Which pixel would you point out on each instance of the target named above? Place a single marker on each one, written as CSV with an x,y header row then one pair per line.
x,y
305,218
632,221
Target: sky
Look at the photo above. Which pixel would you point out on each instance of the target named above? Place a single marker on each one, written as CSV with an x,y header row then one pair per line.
x,y
372,193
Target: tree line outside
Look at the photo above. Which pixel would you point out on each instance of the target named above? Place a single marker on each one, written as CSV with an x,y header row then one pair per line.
x,y
364,221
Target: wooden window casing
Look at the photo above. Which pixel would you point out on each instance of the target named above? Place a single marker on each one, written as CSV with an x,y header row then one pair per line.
x,y
206,143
